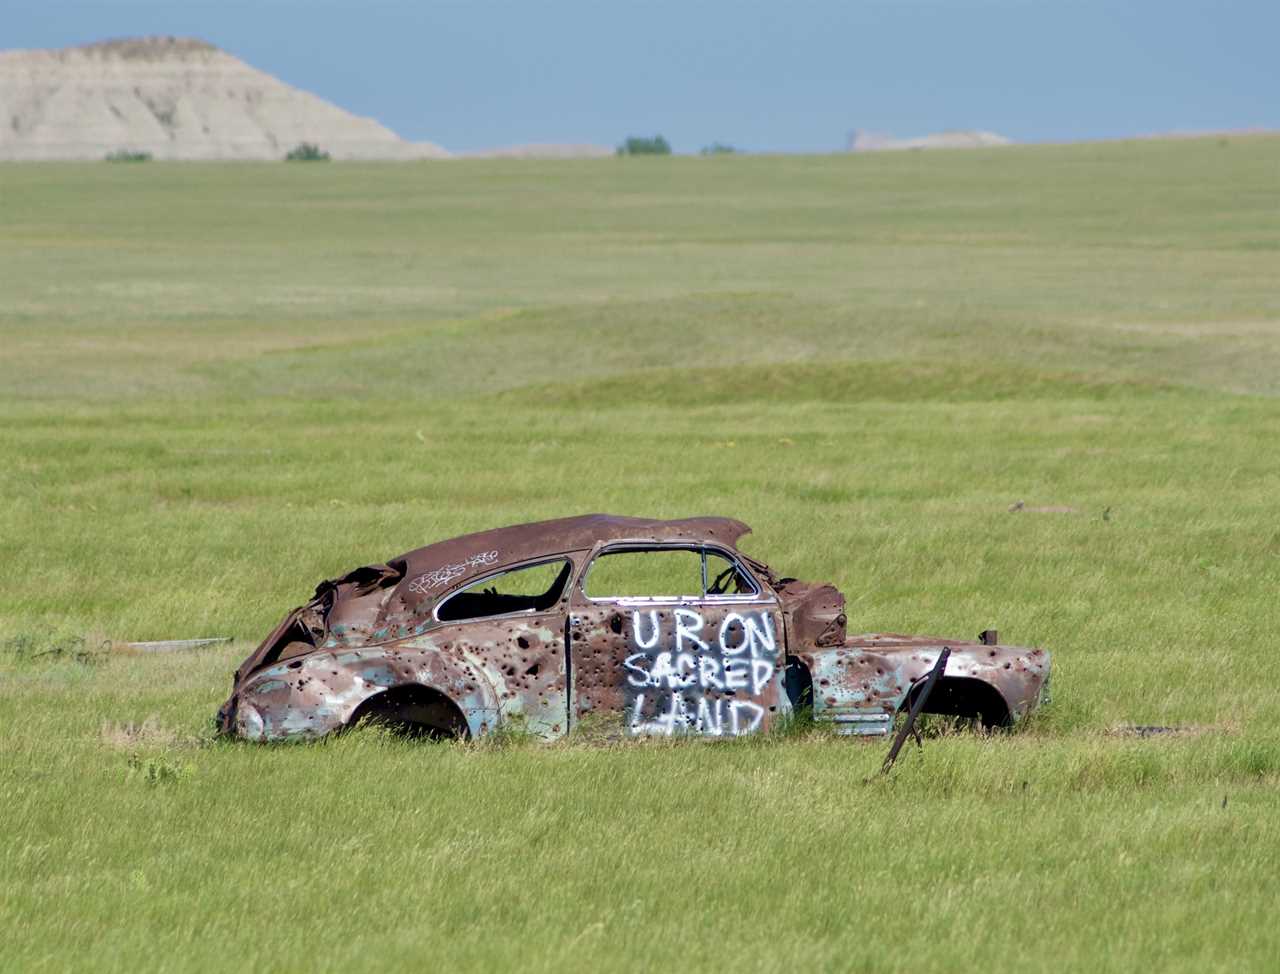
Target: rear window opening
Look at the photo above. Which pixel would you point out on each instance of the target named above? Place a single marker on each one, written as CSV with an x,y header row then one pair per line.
x,y
530,588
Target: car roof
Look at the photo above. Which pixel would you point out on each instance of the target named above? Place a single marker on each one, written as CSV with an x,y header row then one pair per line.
x,y
507,546
389,596
395,598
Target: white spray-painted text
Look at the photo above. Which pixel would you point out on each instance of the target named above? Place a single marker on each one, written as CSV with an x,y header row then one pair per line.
x,y
704,679
433,579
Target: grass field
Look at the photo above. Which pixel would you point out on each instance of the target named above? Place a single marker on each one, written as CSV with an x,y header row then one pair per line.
x,y
221,384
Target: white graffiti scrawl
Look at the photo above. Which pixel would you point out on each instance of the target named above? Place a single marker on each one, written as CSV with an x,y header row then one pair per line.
x,y
699,679
425,583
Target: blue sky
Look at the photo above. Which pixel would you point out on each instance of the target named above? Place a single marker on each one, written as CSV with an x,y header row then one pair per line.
x,y
780,76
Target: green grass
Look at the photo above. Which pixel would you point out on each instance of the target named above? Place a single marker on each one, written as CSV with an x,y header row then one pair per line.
x,y
221,384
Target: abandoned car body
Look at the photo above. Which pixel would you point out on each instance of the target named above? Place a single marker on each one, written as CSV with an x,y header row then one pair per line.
x,y
639,627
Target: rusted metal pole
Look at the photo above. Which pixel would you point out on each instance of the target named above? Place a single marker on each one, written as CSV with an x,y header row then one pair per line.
x,y
917,705
174,645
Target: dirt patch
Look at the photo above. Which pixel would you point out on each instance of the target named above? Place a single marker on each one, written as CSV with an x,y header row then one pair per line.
x,y
150,733
1020,507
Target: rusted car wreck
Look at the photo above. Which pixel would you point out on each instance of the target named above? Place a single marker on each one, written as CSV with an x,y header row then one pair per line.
x,y
640,627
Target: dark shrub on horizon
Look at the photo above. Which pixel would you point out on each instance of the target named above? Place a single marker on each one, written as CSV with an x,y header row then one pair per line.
x,y
306,152
638,145
127,155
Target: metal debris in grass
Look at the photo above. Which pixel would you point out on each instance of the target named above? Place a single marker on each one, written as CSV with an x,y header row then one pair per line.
x,y
93,647
168,645
1021,507
1160,730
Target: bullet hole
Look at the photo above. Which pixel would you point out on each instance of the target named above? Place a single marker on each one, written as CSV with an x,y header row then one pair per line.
x,y
522,642
533,670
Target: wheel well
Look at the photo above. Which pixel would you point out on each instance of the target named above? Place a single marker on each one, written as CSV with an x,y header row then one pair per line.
x,y
414,711
963,697
798,682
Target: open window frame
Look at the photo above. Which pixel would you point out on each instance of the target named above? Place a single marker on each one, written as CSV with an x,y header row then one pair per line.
x,y
758,593
565,587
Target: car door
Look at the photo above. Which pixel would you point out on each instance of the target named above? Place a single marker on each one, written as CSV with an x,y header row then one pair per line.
x,y
512,623
673,639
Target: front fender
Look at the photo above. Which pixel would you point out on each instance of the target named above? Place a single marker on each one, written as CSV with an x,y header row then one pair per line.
x,y
317,694
875,673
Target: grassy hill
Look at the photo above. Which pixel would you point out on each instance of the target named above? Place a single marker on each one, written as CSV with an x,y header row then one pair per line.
x,y
220,384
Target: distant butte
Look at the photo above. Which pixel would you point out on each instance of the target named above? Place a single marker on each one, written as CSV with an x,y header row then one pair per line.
x,y
967,139
174,98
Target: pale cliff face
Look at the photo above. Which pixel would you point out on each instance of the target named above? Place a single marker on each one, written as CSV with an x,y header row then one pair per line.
x,y
877,142
176,98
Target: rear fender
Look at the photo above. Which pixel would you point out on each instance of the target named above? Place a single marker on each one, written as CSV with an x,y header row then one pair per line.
x,y
319,693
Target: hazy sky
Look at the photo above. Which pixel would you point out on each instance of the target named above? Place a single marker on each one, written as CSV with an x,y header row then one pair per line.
x,y
792,76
